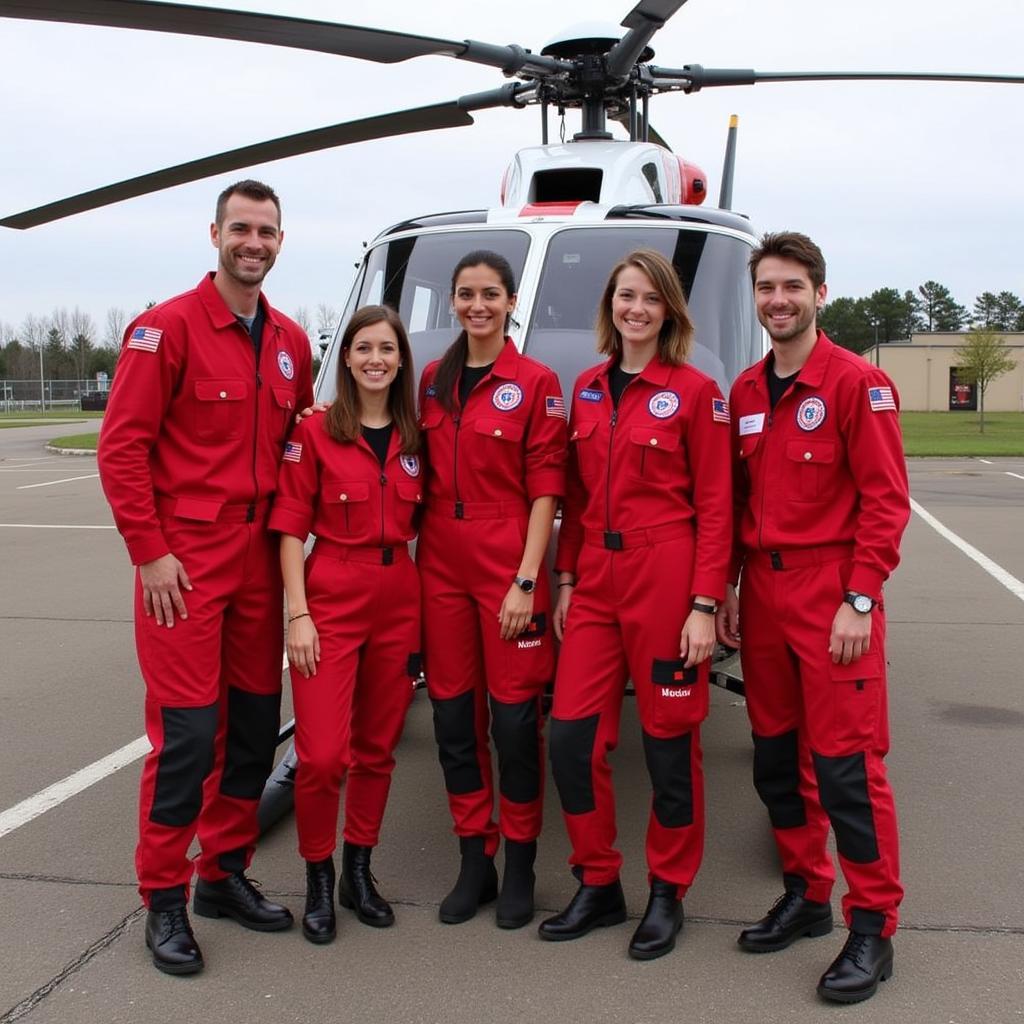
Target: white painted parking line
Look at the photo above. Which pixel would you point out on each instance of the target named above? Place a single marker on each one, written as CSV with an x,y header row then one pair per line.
x,y
50,483
46,799
988,462
52,526
1017,475
996,571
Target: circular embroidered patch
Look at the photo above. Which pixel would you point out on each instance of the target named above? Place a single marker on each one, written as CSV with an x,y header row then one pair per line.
x,y
663,404
285,365
811,413
411,464
507,397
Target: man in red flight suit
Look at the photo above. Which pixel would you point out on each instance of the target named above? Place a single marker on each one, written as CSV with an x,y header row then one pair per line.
x,y
206,388
821,503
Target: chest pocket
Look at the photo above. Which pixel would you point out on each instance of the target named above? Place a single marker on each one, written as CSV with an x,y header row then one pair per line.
x,y
218,413
584,444
348,502
652,454
809,467
432,416
496,442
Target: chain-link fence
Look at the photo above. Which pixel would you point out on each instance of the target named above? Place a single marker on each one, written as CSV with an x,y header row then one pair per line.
x,y
30,395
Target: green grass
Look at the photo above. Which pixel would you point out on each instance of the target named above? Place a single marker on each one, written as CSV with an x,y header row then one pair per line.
x,y
87,442
36,419
956,433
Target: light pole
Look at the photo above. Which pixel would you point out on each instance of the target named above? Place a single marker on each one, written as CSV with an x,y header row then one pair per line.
x,y
42,394
875,325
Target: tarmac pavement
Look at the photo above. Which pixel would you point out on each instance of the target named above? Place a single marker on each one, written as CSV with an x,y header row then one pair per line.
x,y
71,928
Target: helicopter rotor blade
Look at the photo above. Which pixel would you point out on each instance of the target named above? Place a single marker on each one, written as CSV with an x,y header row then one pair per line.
x,y
404,122
693,77
276,30
728,166
642,21
622,117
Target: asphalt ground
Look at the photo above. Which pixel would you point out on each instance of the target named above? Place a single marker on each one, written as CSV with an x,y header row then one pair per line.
x,y
71,944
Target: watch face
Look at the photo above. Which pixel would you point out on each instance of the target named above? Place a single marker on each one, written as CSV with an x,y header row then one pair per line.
x,y
862,604
525,585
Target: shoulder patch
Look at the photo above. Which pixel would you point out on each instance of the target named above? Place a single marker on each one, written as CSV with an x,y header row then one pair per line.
x,y
881,399
431,391
145,339
719,410
554,405
292,452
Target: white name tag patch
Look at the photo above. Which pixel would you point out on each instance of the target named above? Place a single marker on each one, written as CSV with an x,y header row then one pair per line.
x,y
751,424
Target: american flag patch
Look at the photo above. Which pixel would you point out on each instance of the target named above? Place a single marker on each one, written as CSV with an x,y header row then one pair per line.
x,y
554,405
881,399
146,339
292,452
719,410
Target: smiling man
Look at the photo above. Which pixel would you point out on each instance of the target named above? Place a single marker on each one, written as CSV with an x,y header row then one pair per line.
x,y
821,502
203,397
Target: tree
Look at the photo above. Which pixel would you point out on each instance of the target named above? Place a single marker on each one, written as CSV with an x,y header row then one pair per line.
x,y
326,317
82,333
982,358
117,321
890,313
939,310
914,321
1009,312
985,312
301,317
847,323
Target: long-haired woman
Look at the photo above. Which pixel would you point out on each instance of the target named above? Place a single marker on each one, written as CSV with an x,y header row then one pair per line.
x,y
352,476
642,561
495,437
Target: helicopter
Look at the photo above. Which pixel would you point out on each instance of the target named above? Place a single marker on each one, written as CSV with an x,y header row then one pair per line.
x,y
569,208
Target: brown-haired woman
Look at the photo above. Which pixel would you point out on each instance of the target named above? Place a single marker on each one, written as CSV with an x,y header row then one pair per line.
x,y
494,431
642,560
351,476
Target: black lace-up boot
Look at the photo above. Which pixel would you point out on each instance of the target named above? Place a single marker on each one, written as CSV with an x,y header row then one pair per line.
x,y
854,975
318,922
791,918
238,898
358,890
169,938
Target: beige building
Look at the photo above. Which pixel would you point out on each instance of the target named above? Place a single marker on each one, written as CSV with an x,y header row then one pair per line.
x,y
924,371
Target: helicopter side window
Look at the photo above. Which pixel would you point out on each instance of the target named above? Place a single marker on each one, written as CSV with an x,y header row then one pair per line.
x,y
710,266
650,172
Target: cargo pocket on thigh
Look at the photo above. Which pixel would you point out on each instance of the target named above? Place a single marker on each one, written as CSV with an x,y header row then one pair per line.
x,y
680,696
856,693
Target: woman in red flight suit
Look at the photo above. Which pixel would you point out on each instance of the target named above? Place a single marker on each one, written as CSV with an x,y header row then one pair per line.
x,y
351,476
642,560
495,436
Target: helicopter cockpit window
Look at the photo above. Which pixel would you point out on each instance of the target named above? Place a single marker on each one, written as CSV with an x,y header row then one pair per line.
x,y
712,268
414,275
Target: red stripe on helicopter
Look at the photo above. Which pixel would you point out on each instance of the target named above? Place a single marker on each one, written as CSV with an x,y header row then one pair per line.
x,y
559,209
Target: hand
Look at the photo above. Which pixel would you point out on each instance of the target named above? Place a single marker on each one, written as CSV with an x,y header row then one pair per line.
x,y
562,609
727,618
162,580
516,612
697,640
310,409
303,645
851,635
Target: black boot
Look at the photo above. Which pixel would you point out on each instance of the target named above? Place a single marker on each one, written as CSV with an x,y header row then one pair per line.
x,y
854,975
236,897
476,885
169,938
792,918
593,906
318,922
662,921
357,890
515,904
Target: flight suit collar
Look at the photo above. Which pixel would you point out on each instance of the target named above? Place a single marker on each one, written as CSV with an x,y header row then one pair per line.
x,y
506,365
811,374
656,372
217,309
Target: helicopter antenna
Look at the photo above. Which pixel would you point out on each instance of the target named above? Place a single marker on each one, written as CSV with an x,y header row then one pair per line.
x,y
729,166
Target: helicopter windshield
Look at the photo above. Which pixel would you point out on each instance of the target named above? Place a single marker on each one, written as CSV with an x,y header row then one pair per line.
x,y
712,268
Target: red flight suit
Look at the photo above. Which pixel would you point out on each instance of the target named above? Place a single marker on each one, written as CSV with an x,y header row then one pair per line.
x,y
363,594
188,460
821,503
646,527
488,463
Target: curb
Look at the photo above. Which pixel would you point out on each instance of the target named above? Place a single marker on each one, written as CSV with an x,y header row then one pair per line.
x,y
70,451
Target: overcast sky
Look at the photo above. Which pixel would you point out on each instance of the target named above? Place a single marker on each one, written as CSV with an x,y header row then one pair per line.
x,y
898,183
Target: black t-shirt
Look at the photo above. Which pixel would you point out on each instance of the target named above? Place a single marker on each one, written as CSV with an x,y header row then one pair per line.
x,y
469,378
618,378
378,438
778,386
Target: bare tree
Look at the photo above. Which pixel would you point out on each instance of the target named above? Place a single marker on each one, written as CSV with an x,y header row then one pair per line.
x,y
83,333
326,317
301,317
117,321
60,322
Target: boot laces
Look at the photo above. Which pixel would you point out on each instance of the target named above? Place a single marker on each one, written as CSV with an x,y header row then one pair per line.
x,y
174,922
783,903
854,948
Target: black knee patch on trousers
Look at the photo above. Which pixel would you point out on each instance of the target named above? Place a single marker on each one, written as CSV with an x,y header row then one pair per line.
x,y
254,720
185,760
777,779
668,764
516,737
572,747
455,732
843,791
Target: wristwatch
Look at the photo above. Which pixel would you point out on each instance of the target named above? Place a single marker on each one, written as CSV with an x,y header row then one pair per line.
x,y
525,584
707,609
860,603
